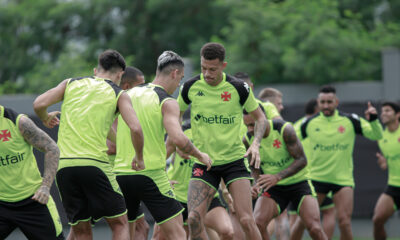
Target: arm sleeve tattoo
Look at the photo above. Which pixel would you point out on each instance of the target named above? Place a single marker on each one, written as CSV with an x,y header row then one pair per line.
x,y
295,149
41,141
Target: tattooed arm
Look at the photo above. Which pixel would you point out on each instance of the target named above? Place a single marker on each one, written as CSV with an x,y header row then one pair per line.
x,y
41,141
295,150
170,111
259,130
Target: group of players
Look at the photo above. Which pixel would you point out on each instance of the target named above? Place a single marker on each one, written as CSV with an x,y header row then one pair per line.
x,y
111,157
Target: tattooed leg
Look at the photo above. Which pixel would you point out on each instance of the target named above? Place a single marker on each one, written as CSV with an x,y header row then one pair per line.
x,y
199,199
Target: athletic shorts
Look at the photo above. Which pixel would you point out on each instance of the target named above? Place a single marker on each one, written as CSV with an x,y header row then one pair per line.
x,y
230,172
293,193
154,190
216,202
325,188
89,193
36,221
326,204
394,192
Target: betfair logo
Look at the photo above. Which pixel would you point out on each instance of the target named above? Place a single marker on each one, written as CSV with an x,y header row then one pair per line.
x,y
216,119
331,147
10,159
200,93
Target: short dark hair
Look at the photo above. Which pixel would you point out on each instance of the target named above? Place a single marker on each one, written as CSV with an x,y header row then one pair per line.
x,y
241,75
111,60
393,105
211,51
169,61
310,106
327,89
130,76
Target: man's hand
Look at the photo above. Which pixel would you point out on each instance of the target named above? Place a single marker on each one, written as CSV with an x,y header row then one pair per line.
x,y
255,190
229,200
371,110
52,119
42,194
382,162
172,183
205,159
266,181
137,164
254,153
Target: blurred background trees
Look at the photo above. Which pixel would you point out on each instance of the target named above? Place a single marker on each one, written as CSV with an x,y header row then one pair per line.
x,y
43,42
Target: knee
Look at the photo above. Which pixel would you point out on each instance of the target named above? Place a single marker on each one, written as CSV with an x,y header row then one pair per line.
x,y
194,219
378,220
315,229
226,233
344,221
247,221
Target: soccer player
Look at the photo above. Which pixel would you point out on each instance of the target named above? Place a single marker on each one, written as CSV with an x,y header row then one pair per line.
x,y
284,178
157,112
327,207
25,200
132,77
87,186
217,101
271,111
331,135
389,201
272,95
179,172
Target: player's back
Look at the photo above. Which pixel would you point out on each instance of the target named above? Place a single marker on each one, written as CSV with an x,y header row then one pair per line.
x,y
147,100
87,112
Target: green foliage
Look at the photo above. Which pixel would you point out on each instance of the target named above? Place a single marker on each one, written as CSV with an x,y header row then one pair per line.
x,y
314,41
304,41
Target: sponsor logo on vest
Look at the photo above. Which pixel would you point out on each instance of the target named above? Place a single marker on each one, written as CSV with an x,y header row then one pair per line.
x,y
5,135
277,144
226,96
341,129
216,119
11,159
200,93
280,163
331,147
398,140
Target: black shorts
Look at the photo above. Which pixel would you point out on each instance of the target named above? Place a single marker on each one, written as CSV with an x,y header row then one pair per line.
x,y
325,188
293,193
36,221
230,172
326,204
156,195
88,193
394,192
216,202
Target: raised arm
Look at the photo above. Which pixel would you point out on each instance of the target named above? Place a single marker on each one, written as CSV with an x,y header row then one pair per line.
x,y
170,111
43,101
41,141
130,118
371,129
259,130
